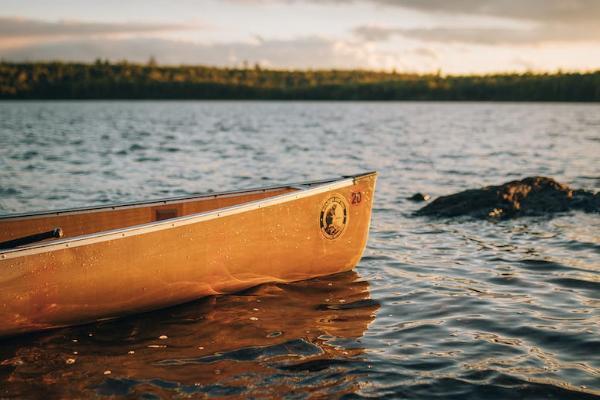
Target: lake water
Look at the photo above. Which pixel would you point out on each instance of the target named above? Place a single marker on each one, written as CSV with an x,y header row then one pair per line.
x,y
435,309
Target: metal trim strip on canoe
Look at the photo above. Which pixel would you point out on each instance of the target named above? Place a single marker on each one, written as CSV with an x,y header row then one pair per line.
x,y
128,206
172,223
180,199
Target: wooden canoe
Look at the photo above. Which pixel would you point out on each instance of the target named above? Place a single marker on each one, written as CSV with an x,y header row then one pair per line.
x,y
122,259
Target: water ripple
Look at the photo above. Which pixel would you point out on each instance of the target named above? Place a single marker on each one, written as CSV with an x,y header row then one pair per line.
x,y
436,309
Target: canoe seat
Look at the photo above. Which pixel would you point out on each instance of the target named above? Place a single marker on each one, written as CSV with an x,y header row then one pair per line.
x,y
166,214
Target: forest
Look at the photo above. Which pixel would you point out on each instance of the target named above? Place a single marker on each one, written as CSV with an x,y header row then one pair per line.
x,y
123,80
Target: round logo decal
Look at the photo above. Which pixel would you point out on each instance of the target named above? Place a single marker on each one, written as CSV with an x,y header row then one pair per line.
x,y
334,216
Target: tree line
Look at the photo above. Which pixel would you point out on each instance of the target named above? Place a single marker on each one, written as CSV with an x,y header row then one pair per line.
x,y
123,80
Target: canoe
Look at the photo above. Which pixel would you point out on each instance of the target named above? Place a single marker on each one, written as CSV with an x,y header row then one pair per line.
x,y
135,257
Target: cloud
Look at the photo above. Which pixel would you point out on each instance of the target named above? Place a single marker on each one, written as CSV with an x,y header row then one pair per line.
x,y
425,53
19,28
485,36
302,53
533,10
314,52
372,33
540,21
311,52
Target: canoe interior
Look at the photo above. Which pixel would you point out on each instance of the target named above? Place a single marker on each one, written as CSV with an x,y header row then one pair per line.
x,y
92,220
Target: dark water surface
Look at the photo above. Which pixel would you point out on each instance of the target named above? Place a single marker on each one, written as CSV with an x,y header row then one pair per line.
x,y
435,309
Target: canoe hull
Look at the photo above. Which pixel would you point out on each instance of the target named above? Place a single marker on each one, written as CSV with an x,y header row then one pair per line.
x,y
287,238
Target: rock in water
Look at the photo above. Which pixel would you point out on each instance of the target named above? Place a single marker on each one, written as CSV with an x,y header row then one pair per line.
x,y
417,197
536,195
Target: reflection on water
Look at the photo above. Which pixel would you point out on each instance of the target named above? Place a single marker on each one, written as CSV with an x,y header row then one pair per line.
x,y
273,339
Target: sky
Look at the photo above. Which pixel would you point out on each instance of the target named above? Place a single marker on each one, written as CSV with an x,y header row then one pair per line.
x,y
447,36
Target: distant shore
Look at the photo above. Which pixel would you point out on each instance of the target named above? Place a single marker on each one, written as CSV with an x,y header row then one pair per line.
x,y
115,81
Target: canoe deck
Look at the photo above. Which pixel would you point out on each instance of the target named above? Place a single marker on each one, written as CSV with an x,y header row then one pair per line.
x,y
121,259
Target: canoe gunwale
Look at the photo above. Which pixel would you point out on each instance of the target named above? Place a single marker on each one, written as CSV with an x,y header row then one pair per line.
x,y
310,188
181,199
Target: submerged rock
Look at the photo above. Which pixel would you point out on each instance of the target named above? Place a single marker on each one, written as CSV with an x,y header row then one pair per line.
x,y
536,195
418,197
